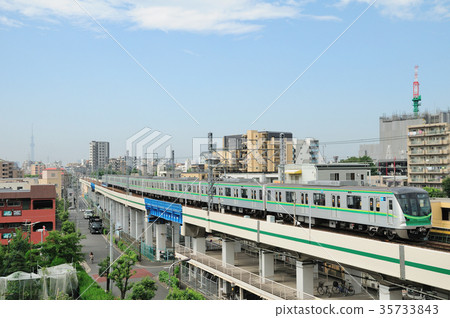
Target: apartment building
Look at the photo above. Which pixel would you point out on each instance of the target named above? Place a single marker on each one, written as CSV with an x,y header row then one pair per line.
x,y
9,169
23,209
98,154
428,154
255,151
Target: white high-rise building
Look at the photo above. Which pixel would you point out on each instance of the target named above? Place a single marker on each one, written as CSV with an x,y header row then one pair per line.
x,y
98,154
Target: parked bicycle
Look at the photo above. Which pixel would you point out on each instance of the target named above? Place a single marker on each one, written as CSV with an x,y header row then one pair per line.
x,y
323,289
345,288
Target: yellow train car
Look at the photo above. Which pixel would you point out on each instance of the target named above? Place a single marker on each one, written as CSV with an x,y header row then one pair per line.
x,y
440,220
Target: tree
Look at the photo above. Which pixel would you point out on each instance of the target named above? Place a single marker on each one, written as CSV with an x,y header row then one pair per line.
x,y
122,271
68,227
16,254
434,192
363,159
65,247
144,290
188,294
446,186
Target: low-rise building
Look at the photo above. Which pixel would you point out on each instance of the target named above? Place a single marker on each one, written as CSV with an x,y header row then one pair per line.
x,y
54,176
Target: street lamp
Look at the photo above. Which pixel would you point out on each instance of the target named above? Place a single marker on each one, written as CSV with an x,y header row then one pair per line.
x,y
176,262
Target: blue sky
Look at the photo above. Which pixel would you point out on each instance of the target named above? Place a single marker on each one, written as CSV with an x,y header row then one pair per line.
x,y
224,62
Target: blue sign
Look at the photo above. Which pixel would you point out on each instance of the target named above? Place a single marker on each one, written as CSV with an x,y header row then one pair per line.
x,y
164,210
7,213
383,199
93,187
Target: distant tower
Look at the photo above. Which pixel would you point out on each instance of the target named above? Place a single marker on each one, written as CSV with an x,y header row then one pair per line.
x,y
32,145
416,97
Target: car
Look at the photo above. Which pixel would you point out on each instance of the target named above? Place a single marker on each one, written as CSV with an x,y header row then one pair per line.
x,y
88,214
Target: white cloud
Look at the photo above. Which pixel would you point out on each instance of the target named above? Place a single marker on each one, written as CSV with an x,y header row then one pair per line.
x,y
10,22
229,16
408,9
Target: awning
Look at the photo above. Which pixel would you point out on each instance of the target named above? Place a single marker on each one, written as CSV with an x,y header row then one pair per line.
x,y
294,171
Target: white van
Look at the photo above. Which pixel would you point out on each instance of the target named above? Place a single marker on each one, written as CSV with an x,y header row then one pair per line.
x,y
88,214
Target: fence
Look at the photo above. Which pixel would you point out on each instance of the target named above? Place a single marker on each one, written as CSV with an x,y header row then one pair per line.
x,y
244,276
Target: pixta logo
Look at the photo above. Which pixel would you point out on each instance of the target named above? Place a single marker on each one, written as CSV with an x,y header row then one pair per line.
x,y
146,145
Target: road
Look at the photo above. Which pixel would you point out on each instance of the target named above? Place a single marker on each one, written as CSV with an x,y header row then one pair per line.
x,y
99,245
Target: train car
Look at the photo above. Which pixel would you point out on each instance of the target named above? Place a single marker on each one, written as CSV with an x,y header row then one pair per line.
x,y
404,212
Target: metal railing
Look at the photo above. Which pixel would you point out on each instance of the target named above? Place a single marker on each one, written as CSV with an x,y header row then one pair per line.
x,y
262,283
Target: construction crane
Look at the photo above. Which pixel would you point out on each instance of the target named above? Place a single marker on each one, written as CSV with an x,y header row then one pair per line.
x,y
416,97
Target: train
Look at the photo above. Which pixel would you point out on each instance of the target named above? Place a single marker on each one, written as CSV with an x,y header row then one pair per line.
x,y
403,212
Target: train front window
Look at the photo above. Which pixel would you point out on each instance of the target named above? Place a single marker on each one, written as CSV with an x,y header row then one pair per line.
x,y
415,204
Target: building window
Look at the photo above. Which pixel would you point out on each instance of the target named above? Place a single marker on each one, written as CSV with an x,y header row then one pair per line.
x,y
334,176
42,204
350,176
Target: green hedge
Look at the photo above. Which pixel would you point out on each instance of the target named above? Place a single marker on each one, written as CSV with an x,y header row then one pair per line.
x,y
89,289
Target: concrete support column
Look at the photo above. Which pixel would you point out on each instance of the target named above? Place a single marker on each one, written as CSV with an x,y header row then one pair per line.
x,y
237,247
227,253
266,264
187,241
199,245
160,239
354,277
125,221
119,215
316,271
132,223
390,292
149,234
241,293
139,224
305,274
176,233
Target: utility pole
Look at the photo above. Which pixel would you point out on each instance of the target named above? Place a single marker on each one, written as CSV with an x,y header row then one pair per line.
x,y
211,162
172,163
111,237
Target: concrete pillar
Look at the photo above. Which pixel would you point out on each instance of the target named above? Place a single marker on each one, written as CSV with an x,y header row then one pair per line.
x,y
266,264
125,220
227,253
241,293
132,223
187,241
316,271
237,247
354,277
390,292
139,224
305,274
149,234
219,285
199,245
160,239
176,233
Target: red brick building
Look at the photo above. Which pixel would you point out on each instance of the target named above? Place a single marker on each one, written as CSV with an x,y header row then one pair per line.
x,y
19,208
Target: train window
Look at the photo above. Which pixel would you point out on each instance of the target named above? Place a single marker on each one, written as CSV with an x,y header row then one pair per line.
x,y
306,198
228,192
214,190
354,202
371,204
290,196
220,191
236,193
377,200
269,195
171,187
303,198
189,189
260,195
244,193
333,201
390,205
278,196
339,201
319,198
180,187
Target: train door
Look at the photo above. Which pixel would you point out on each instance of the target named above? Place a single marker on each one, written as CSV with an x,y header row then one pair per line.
x,y
334,203
372,214
390,211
